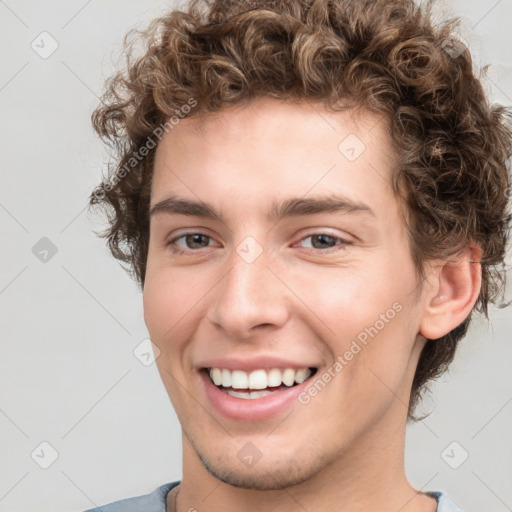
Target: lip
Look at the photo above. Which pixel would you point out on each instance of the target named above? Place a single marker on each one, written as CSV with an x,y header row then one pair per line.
x,y
255,409
254,363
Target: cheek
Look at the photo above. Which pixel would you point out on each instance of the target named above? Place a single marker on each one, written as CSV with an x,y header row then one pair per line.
x,y
370,314
167,298
169,316
157,300
349,299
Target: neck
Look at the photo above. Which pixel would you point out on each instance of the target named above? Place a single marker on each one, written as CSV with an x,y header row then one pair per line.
x,y
369,476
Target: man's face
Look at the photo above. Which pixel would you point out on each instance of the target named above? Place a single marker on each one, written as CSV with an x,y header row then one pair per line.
x,y
331,292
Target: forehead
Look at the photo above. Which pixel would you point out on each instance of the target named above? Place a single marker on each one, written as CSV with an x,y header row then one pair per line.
x,y
269,119
271,149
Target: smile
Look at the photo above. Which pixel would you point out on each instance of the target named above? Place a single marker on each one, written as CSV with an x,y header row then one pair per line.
x,y
257,383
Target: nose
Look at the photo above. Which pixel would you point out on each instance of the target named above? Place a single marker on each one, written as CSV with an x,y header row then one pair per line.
x,y
251,297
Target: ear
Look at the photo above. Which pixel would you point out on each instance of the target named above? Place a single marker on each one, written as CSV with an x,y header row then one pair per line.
x,y
452,293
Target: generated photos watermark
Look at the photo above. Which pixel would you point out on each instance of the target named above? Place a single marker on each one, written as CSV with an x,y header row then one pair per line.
x,y
357,345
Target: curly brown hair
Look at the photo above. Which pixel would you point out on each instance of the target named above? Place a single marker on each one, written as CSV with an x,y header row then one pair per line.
x,y
390,57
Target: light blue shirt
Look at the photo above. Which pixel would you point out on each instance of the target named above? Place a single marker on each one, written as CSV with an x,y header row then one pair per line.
x,y
155,502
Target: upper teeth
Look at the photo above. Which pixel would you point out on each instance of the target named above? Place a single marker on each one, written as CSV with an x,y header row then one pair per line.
x,y
258,379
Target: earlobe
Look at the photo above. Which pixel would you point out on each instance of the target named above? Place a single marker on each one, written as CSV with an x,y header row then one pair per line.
x,y
453,294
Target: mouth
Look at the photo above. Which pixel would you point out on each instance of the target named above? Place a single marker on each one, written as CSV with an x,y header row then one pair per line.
x,y
257,383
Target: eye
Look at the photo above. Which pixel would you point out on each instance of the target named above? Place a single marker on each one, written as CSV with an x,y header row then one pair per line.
x,y
192,241
324,241
195,241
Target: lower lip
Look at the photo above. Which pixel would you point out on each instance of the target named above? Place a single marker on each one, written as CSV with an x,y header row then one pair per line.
x,y
251,409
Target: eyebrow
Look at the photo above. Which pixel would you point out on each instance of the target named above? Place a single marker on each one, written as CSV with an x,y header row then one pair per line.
x,y
292,207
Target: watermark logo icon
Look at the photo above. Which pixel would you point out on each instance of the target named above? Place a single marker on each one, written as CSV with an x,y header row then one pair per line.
x,y
249,455
44,250
44,455
44,45
454,46
249,249
454,455
146,352
351,147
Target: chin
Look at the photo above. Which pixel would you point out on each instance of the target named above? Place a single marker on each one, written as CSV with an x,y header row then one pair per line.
x,y
261,480
264,476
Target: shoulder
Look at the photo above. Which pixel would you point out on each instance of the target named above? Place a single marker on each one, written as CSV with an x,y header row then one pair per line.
x,y
444,504
152,502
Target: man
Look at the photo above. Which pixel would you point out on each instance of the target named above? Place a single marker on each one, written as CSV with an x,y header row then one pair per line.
x,y
313,198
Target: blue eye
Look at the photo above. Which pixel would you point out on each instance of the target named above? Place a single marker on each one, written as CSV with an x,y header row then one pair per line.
x,y
325,238
195,241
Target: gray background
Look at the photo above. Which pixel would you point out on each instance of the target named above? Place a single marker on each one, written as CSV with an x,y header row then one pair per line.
x,y
68,374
